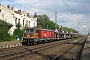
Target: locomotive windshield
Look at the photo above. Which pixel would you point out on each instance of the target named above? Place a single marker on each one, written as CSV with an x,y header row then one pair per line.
x,y
29,30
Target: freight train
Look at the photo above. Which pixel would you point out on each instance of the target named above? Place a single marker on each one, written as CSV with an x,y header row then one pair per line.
x,y
39,35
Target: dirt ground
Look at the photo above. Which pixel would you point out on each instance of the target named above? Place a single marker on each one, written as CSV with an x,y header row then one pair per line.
x,y
86,50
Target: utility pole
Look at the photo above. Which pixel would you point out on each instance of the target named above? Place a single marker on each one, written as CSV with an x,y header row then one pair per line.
x,y
78,27
55,20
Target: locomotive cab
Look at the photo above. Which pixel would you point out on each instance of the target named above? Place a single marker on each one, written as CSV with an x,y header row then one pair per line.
x,y
31,33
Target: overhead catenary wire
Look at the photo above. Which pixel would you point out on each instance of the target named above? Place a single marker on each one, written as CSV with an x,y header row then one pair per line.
x,y
46,6
40,5
74,9
75,13
27,7
22,6
69,8
50,10
34,10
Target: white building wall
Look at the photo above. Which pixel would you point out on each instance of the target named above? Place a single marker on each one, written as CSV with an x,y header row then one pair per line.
x,y
32,22
35,20
9,16
12,30
18,17
27,21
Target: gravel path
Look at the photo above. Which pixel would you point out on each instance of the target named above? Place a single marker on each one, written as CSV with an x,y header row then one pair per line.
x,y
86,50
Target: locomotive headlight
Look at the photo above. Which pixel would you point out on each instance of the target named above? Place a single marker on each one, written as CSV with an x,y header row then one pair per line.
x,y
28,35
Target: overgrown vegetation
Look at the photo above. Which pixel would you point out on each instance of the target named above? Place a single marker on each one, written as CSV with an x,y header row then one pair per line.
x,y
18,32
45,22
68,29
4,36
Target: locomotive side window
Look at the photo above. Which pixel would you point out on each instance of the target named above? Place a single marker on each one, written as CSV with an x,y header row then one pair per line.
x,y
27,31
31,30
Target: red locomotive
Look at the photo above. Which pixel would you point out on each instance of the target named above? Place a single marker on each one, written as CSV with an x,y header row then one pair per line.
x,y
37,35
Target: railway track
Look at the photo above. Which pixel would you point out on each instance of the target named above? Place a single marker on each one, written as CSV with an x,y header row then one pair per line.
x,y
36,46
39,50
72,52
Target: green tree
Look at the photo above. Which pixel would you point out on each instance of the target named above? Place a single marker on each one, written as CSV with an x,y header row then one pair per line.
x,y
18,26
18,31
4,36
35,15
68,29
45,22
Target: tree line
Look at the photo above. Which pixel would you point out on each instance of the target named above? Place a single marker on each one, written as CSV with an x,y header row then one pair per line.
x,y
43,21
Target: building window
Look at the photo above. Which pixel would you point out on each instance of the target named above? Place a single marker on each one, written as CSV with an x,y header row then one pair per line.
x,y
34,24
29,23
15,20
23,22
0,10
26,23
18,20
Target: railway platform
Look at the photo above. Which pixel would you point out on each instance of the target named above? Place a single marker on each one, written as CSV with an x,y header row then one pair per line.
x,y
10,44
86,50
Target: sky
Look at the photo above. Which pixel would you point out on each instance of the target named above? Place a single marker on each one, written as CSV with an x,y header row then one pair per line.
x,y
70,13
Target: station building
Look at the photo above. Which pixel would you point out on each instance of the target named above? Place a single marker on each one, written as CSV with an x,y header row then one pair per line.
x,y
13,17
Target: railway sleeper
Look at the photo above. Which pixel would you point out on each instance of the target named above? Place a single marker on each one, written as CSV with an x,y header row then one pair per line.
x,y
13,55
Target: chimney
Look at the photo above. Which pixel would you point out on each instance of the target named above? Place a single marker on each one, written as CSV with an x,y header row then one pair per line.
x,y
11,8
19,10
27,14
8,6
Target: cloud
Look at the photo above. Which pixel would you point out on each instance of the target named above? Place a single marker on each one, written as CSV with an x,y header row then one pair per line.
x,y
74,12
5,3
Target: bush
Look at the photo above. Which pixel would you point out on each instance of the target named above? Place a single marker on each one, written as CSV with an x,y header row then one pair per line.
x,y
18,32
4,36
